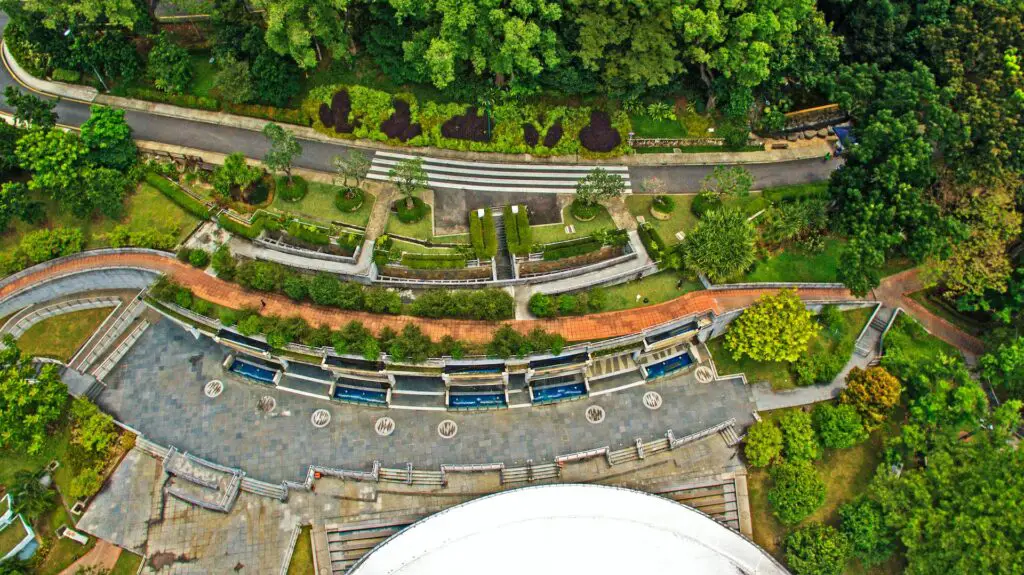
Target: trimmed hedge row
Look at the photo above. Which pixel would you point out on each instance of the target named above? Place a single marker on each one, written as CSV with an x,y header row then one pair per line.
x,y
571,248
651,239
183,100
280,115
433,262
518,234
490,236
178,195
482,304
236,227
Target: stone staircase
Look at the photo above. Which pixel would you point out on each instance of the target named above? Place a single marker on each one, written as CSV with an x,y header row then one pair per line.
x,y
122,348
109,331
715,497
867,343
348,542
502,261
201,482
730,436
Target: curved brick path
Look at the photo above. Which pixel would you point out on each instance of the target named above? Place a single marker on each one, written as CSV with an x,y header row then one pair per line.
x,y
590,327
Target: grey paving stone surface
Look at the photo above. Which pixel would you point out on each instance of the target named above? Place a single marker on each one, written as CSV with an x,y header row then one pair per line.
x,y
158,388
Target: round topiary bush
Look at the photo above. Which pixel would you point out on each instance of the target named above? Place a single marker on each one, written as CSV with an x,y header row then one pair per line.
x,y
704,203
349,199
663,204
294,192
409,215
584,212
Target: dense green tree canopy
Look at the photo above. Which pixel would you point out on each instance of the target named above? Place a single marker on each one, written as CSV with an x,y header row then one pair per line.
x,y
31,402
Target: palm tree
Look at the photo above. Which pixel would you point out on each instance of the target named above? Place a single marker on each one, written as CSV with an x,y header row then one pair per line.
x,y
30,496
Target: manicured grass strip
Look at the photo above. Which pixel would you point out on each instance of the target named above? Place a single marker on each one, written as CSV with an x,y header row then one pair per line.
x,y
680,220
908,339
127,564
318,206
546,234
797,265
59,337
178,195
657,288
302,556
11,536
796,192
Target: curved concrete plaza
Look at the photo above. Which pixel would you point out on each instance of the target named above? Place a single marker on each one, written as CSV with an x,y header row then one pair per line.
x,y
157,388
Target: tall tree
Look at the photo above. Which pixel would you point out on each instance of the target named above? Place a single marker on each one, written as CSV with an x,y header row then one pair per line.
x,y
283,149
32,401
599,185
298,28
409,177
354,164
775,328
60,13
169,65
29,110
721,245
109,138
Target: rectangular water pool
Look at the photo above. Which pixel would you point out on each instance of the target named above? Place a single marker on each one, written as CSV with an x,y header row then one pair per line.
x,y
253,372
669,366
558,392
360,395
477,400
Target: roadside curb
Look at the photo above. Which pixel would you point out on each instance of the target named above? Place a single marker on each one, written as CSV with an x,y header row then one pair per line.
x,y
91,95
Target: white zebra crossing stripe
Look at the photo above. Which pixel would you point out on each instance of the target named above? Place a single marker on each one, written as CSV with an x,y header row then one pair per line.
x,y
492,177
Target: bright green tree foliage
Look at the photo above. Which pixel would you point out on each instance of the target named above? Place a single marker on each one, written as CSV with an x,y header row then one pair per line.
x,y
31,402
109,138
775,328
799,440
796,491
763,443
817,550
721,245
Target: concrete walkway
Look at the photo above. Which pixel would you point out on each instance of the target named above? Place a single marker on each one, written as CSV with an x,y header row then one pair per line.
x,y
583,328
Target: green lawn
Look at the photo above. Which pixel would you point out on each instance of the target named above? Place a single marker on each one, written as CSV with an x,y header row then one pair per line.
x,y
796,265
302,556
647,127
423,229
59,337
64,552
908,339
778,373
657,288
11,536
681,220
318,206
846,472
203,75
146,209
549,233
127,564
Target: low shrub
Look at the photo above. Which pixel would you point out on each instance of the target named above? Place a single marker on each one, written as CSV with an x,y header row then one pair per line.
x,y
199,258
542,305
47,244
239,228
584,212
664,204
704,202
818,190
177,195
518,236
183,100
67,76
433,262
490,236
507,342
349,199
476,234
408,215
591,301
651,239
280,115
560,251
223,263
797,491
121,237
294,192
818,368
308,233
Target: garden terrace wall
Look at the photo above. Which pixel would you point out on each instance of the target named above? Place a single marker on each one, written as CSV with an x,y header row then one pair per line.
x,y
531,269
285,247
477,274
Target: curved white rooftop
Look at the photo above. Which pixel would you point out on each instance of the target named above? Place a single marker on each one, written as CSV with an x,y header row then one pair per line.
x,y
588,529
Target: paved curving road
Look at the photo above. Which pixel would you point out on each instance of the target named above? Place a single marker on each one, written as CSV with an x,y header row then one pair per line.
x,y
317,155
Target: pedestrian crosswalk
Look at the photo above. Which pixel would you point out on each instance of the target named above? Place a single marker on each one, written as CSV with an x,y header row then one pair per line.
x,y
494,177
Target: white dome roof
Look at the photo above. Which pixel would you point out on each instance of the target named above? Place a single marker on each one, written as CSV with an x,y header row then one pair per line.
x,y
586,529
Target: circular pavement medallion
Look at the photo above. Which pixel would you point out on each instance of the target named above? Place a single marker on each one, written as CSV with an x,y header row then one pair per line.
x,y
320,418
266,404
447,429
595,414
213,388
703,374
652,400
384,426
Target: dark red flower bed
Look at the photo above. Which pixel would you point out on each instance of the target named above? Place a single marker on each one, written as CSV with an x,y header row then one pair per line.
x,y
600,136
554,135
530,135
468,126
400,125
337,113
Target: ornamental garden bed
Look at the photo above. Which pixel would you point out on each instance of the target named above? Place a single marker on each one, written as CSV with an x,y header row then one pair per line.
x,y
600,135
548,266
345,246
400,125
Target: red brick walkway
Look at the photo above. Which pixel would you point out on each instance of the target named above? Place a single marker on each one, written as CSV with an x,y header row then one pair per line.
x,y
895,291
589,327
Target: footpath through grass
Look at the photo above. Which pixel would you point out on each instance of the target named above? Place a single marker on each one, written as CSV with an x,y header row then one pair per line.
x,y
779,373
59,337
681,219
302,556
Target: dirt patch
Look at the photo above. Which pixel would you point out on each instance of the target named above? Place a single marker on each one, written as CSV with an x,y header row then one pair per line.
x,y
483,272
605,253
554,135
336,114
530,135
468,126
599,135
165,559
399,125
